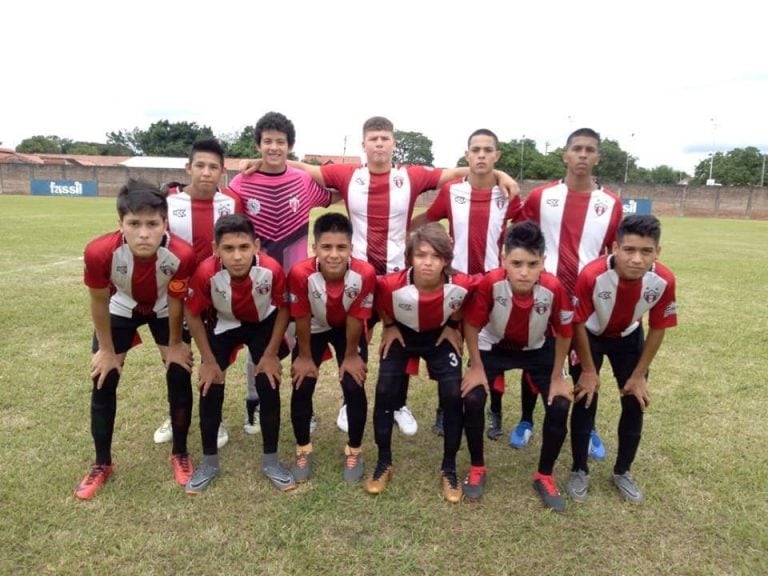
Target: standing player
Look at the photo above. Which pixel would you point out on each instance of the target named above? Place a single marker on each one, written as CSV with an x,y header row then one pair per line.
x,y
135,276
246,291
420,309
612,295
520,317
477,211
331,299
278,200
579,219
192,213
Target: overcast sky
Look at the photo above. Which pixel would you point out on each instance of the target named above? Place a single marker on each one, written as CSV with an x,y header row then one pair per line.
x,y
683,80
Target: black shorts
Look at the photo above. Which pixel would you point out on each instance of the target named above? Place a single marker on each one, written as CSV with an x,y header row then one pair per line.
x,y
254,335
125,332
538,363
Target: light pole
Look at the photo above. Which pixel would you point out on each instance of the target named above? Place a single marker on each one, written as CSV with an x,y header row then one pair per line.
x,y
712,155
626,164
522,155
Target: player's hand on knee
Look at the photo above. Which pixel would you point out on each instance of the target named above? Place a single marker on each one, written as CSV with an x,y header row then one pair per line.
x,y
559,386
637,386
102,363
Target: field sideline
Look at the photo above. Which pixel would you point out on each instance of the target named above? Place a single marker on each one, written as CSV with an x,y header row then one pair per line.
x,y
703,461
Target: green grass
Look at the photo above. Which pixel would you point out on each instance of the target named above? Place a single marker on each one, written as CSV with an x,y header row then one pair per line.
x,y
703,462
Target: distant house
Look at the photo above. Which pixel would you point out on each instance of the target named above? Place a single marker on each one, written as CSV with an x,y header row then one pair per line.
x,y
8,156
322,160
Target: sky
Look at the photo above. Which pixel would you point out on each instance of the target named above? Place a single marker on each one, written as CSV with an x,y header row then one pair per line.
x,y
671,82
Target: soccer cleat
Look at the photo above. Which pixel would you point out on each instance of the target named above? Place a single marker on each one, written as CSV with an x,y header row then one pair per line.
x,y
164,432
521,435
312,424
222,437
547,489
200,480
182,468
451,487
252,422
341,419
281,478
474,483
94,480
353,464
596,446
437,427
405,421
378,481
494,431
577,486
302,465
628,488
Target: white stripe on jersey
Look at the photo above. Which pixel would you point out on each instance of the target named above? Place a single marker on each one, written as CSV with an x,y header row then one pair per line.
x,y
318,297
406,301
122,302
180,218
221,296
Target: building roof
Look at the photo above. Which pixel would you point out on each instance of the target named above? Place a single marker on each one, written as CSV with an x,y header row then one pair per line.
x,y
323,159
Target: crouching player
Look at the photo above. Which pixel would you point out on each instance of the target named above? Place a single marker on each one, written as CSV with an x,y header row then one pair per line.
x,y
612,294
520,317
421,308
135,276
331,299
245,290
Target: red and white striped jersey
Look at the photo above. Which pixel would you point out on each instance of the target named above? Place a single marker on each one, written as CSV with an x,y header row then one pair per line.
x,y
330,302
577,226
137,285
421,311
520,323
380,207
612,307
193,220
251,299
478,219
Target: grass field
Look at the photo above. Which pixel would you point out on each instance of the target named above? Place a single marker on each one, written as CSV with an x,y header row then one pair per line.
x,y
703,462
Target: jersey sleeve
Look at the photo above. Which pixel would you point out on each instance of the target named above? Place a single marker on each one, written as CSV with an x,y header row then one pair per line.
x,y
97,260
362,307
338,176
478,309
531,209
439,207
664,313
279,287
383,297
230,192
514,210
318,196
562,315
582,294
298,294
423,178
199,295
178,284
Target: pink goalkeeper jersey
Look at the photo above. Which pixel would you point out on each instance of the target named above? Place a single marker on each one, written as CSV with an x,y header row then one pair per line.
x,y
477,219
278,206
577,226
380,207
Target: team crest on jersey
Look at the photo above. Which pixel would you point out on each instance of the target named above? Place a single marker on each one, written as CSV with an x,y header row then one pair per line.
x,y
405,306
600,208
553,202
367,302
651,295
500,202
501,301
293,203
352,291
122,269
292,298
167,269
455,303
316,294
399,181
180,212
604,295
223,210
253,206
262,288
541,306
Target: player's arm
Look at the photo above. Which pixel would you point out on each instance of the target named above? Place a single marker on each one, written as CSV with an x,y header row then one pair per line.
x,y
270,361
507,184
303,366
104,360
558,384
353,363
475,374
209,372
589,381
178,352
637,385
419,221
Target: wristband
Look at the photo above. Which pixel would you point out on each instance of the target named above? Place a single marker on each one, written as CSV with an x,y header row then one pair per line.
x,y
451,323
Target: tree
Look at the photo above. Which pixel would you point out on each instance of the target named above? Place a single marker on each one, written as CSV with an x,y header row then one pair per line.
x,y
413,148
242,145
739,167
124,140
44,145
164,138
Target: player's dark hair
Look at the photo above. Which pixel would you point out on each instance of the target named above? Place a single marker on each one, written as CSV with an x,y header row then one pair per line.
x,y
210,145
233,224
436,236
332,222
526,235
483,132
375,123
138,196
587,132
643,225
277,122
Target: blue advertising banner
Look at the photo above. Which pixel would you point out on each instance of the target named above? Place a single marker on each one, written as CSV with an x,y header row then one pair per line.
x,y
65,188
632,206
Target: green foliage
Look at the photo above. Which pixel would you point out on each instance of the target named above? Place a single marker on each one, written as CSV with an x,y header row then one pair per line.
x,y
242,145
125,140
44,145
164,138
413,148
739,167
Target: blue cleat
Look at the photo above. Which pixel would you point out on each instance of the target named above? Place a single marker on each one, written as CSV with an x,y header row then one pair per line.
x,y
596,446
521,435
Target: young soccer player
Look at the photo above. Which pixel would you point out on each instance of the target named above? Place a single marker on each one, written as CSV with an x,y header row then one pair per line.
x,y
520,317
246,291
420,309
192,213
477,211
135,276
612,294
331,298
579,219
278,200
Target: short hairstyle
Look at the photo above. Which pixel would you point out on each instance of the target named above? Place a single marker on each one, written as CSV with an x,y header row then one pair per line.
x,y
233,224
210,145
277,122
137,196
483,132
436,236
526,235
375,123
588,132
644,225
332,222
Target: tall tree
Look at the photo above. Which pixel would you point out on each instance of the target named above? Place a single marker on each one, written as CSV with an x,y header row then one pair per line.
x,y
738,167
242,145
164,138
124,140
44,145
413,148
